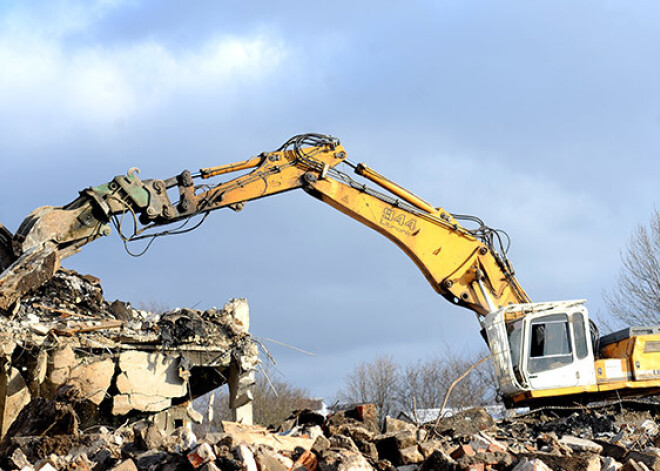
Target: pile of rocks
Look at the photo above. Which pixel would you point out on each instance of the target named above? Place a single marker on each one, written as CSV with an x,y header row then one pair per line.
x,y
351,441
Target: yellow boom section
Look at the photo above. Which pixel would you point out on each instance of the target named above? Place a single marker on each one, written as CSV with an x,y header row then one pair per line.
x,y
458,265
452,260
462,265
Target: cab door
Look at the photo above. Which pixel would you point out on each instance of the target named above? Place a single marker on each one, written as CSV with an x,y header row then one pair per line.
x,y
558,353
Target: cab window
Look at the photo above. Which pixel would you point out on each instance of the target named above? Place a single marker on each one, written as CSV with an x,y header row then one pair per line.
x,y
550,343
514,334
579,330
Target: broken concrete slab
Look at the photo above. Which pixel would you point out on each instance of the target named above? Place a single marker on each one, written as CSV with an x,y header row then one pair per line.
x,y
267,460
27,273
580,444
147,381
389,445
343,460
146,435
427,447
531,465
260,436
343,441
14,395
410,455
239,310
466,423
390,424
93,378
123,366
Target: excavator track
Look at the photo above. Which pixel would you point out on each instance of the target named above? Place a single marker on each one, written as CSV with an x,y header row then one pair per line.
x,y
651,404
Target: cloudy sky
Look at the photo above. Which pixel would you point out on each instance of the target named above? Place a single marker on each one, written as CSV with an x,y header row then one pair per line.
x,y
542,118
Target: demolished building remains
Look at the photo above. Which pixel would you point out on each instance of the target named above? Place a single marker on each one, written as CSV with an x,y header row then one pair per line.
x,y
86,384
116,362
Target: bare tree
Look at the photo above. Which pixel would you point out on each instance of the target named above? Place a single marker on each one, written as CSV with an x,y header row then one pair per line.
x,y
420,385
636,298
479,387
153,306
275,399
375,382
424,384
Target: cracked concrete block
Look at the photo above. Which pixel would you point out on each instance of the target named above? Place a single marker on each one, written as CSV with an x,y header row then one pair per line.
x,y
7,347
193,415
146,373
19,460
411,455
146,435
395,425
267,460
28,272
531,465
147,382
343,441
344,460
239,309
62,361
93,379
122,404
580,444
427,447
240,394
14,395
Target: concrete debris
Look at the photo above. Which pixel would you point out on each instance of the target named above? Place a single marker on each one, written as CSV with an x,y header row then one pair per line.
x,y
557,439
467,422
114,361
90,385
580,444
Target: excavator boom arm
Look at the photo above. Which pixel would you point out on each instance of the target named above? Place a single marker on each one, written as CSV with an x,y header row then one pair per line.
x,y
459,265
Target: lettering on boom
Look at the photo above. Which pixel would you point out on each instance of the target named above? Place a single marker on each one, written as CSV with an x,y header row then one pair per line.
x,y
398,220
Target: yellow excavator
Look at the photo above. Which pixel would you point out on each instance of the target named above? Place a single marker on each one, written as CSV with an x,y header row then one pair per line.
x,y
543,353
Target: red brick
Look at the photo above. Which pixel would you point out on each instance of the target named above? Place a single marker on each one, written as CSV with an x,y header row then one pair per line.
x,y
461,451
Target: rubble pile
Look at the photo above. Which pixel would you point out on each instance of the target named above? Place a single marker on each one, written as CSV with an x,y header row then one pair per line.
x,y
348,441
114,362
90,385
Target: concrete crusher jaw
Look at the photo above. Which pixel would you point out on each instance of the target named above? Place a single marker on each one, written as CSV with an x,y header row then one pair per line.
x,y
20,275
32,256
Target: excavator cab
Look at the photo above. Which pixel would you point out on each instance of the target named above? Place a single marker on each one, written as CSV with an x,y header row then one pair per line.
x,y
541,349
